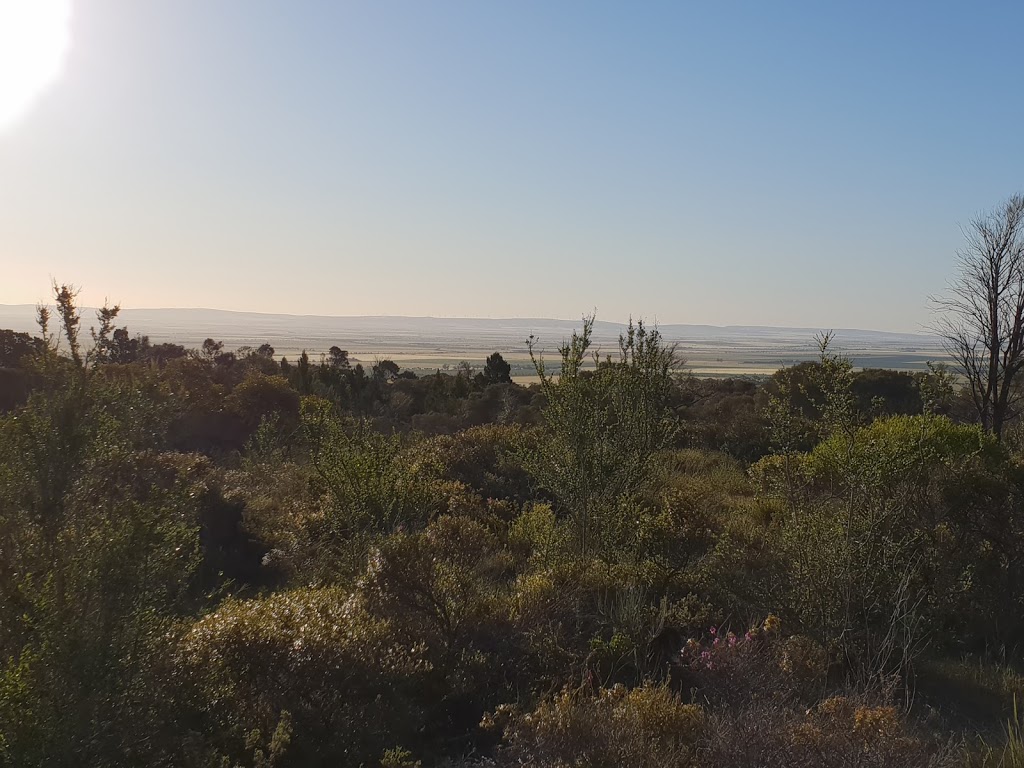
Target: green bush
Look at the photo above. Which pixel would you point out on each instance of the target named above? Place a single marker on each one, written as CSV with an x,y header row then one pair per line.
x,y
259,396
486,459
91,591
348,686
601,430
894,531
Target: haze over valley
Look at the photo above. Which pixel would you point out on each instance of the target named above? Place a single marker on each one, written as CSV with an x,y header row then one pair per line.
x,y
425,344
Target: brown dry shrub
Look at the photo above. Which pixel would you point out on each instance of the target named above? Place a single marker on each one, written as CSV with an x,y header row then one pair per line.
x,y
644,727
839,732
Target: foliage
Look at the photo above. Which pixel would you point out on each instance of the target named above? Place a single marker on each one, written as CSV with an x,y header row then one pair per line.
x,y
347,685
15,347
496,370
214,558
1009,754
724,415
441,583
602,428
92,583
645,726
487,459
259,396
371,487
882,548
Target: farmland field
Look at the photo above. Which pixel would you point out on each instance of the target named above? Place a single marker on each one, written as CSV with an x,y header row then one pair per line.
x,y
425,345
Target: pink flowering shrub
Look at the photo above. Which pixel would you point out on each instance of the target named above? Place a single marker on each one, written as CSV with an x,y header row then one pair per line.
x,y
652,727
759,664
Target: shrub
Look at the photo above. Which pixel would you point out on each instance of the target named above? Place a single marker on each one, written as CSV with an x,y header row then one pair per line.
x,y
883,545
760,664
372,488
445,590
259,396
347,684
602,428
485,459
441,583
836,733
645,726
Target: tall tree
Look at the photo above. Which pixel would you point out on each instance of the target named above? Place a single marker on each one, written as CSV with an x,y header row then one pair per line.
x,y
211,349
305,383
386,370
982,321
338,357
496,370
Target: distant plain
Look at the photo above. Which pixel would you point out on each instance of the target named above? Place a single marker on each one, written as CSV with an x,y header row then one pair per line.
x,y
427,344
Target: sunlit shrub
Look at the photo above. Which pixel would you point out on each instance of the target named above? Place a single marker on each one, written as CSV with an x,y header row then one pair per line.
x,y
602,430
645,726
484,458
372,487
315,653
259,395
442,584
891,532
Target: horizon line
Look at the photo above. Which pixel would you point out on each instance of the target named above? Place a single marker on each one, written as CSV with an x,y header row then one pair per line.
x,y
655,324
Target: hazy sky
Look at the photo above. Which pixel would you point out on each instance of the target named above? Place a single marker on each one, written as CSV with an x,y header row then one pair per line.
x,y
776,163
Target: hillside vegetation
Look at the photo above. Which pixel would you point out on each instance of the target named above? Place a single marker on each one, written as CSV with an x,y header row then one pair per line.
x,y
224,558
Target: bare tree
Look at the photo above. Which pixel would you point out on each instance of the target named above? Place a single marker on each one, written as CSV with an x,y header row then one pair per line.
x,y
982,321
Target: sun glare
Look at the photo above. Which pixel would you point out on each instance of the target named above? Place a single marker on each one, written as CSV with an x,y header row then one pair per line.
x,y
34,37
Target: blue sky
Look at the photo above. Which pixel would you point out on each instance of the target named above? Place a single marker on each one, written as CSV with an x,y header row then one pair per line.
x,y
781,163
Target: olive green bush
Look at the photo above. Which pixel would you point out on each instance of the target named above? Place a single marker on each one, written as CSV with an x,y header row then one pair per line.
x,y
601,429
100,551
646,726
349,688
884,547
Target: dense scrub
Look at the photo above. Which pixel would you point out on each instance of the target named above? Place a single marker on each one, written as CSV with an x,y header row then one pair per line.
x,y
222,559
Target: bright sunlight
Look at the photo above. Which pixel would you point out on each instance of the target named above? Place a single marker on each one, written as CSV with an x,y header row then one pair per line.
x,y
34,36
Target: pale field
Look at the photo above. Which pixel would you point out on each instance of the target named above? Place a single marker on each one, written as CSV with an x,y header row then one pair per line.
x,y
716,363
425,345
